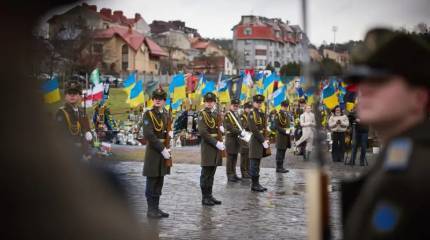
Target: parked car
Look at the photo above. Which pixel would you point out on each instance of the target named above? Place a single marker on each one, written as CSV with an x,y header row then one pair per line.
x,y
113,80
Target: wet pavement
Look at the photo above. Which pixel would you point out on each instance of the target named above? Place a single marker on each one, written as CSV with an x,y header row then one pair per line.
x,y
278,213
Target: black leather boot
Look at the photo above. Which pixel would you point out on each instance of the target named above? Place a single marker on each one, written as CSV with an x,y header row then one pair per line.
x,y
258,182
280,168
152,209
255,186
157,203
206,197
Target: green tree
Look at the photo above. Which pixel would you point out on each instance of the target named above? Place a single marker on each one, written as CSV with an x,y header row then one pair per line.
x,y
329,67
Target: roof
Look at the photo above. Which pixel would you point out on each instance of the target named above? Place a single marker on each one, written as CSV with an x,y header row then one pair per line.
x,y
132,38
200,44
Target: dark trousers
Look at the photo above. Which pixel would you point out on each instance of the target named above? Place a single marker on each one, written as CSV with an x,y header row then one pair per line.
x,y
207,180
154,185
244,162
359,141
280,156
254,170
231,165
338,147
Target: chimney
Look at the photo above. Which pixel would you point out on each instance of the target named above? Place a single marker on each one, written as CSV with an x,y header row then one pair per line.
x,y
130,30
137,16
93,7
117,13
106,12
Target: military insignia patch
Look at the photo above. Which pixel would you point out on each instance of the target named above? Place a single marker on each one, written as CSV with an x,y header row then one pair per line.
x,y
398,154
385,217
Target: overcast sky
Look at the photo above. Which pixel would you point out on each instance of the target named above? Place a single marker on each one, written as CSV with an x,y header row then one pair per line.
x,y
215,18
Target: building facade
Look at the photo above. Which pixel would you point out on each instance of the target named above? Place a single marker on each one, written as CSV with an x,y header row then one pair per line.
x,y
260,41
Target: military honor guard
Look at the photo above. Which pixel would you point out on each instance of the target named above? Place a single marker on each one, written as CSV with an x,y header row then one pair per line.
x,y
73,119
232,139
157,155
258,143
282,126
212,147
244,145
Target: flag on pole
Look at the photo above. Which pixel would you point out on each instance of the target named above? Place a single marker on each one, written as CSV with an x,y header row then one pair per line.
x,y
129,82
95,76
278,96
246,87
51,90
268,84
136,94
209,86
177,87
330,96
223,93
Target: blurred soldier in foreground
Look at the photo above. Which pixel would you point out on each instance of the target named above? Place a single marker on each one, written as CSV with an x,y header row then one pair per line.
x,y
155,131
244,146
258,143
282,126
392,199
211,148
231,119
73,119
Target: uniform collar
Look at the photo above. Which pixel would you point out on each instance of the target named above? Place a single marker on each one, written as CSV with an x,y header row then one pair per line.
x,y
420,132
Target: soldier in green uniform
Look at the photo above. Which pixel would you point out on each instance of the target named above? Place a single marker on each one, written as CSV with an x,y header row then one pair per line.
x,y
232,141
211,148
154,124
282,126
258,141
72,118
244,146
392,200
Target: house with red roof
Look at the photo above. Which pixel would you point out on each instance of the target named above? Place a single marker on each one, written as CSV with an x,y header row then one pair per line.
x,y
260,41
124,49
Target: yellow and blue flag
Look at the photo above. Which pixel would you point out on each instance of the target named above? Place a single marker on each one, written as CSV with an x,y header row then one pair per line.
x,y
330,96
209,86
223,93
177,87
279,95
51,90
268,84
136,94
129,82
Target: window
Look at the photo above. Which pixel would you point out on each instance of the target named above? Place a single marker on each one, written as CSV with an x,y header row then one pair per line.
x,y
247,42
261,52
247,31
124,52
105,25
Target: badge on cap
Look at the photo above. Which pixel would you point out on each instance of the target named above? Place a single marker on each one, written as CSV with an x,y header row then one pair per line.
x,y
146,122
398,154
385,217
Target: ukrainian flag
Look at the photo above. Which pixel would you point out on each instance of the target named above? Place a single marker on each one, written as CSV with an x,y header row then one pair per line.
x,y
268,84
278,96
136,94
223,93
330,96
209,86
177,87
51,91
129,83
176,106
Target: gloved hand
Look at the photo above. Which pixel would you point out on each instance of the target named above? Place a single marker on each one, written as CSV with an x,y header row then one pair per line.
x,y
242,134
170,134
220,146
266,144
88,136
165,153
221,128
287,131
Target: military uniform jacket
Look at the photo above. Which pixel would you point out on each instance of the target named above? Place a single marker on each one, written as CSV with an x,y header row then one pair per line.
x,y
282,123
244,121
75,124
256,123
154,124
207,126
392,201
232,141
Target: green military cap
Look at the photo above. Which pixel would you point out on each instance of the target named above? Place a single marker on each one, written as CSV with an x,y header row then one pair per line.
x,y
258,98
209,97
391,54
247,105
159,94
285,103
235,101
73,87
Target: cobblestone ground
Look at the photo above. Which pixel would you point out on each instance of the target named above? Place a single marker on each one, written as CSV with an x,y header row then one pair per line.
x,y
278,213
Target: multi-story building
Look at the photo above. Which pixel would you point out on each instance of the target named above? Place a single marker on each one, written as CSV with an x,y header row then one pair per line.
x,y
341,58
260,41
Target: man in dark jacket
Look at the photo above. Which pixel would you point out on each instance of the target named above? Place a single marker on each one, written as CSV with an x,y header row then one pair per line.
x,y
392,199
154,125
282,126
232,141
211,148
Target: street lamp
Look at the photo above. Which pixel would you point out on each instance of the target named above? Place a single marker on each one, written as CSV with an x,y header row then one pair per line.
x,y
334,29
